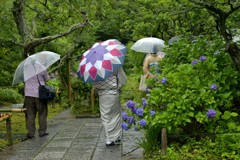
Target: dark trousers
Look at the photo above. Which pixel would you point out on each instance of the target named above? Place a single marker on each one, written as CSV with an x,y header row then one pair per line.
x,y
34,106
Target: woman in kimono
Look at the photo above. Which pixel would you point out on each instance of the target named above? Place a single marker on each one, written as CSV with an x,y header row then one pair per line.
x,y
152,60
110,106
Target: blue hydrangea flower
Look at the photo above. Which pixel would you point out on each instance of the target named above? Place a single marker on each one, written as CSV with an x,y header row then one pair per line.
x,y
136,128
130,104
124,116
164,80
152,113
217,53
124,126
203,58
140,112
143,122
148,89
52,75
214,87
194,62
144,102
211,113
134,110
130,119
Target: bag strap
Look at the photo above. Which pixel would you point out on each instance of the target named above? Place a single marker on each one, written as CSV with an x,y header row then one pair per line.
x,y
38,80
37,75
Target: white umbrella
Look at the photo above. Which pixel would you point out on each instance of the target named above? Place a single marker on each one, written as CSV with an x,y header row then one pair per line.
x,y
33,65
148,45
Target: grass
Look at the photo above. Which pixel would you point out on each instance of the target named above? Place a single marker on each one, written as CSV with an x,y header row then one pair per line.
x,y
18,123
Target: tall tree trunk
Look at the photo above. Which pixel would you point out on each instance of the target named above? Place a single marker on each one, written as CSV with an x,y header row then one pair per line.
x,y
234,52
29,41
18,11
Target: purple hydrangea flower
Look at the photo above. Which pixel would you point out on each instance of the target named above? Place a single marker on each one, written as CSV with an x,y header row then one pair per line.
x,y
152,113
164,80
203,58
214,87
130,119
143,122
140,112
144,102
136,129
194,62
134,110
124,116
56,74
124,126
130,104
148,89
217,53
52,75
211,113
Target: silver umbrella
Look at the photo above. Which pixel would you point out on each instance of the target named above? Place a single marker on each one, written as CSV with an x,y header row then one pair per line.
x,y
148,45
33,65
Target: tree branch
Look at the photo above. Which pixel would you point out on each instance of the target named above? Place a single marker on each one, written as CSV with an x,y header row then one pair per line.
x,y
68,55
47,39
186,11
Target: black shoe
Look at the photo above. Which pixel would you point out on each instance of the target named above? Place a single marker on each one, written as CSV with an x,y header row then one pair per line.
x,y
44,134
29,136
110,144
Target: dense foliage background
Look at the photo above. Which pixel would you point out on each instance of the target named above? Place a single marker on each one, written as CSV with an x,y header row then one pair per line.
x,y
203,28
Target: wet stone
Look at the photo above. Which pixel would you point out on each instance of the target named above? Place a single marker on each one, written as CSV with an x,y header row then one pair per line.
x,y
92,124
66,142
66,135
50,155
82,146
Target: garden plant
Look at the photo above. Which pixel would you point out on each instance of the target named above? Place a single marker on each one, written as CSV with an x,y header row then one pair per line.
x,y
196,92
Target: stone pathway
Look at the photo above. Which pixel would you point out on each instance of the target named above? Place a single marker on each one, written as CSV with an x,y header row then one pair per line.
x,y
75,139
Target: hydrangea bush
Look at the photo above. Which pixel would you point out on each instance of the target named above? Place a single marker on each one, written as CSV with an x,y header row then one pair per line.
x,y
195,91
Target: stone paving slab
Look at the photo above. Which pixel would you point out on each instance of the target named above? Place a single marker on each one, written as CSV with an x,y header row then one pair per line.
x,y
74,139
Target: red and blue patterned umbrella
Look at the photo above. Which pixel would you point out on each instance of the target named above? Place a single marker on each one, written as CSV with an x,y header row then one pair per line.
x,y
101,60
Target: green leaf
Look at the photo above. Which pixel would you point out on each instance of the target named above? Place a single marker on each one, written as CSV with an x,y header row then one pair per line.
x,y
191,114
226,115
231,125
234,114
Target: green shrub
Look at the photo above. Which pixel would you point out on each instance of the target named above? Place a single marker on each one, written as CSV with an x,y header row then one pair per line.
x,y
9,96
225,146
3,144
183,94
131,90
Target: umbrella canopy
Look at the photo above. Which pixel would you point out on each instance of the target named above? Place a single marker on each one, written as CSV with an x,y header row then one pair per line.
x,y
33,65
148,45
101,60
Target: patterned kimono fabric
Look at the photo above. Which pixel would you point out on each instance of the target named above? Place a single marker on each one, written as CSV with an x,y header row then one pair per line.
x,y
110,106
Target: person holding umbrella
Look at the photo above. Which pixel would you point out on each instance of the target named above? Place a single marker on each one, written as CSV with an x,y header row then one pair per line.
x,y
110,106
32,71
34,104
102,65
152,61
